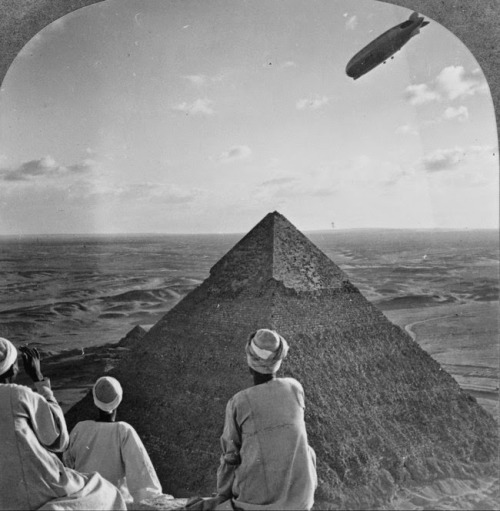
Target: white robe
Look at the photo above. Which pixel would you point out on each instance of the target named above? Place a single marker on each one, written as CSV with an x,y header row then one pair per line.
x,y
115,450
31,476
266,460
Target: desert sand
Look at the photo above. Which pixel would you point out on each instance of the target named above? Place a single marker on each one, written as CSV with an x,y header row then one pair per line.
x,y
449,332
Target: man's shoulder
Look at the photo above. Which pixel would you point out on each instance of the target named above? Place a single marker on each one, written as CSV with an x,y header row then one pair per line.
x,y
84,425
240,395
94,427
18,390
125,427
120,425
291,382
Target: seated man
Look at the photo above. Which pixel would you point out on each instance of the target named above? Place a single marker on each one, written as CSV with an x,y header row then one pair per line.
x,y
114,449
32,428
267,462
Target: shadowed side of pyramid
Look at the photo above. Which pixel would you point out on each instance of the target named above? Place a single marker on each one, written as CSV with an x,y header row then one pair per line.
x,y
379,410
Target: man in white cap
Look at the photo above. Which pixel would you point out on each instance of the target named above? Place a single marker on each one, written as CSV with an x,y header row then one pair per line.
x,y
266,461
112,448
32,429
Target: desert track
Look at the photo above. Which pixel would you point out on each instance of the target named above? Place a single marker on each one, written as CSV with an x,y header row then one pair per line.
x,y
409,326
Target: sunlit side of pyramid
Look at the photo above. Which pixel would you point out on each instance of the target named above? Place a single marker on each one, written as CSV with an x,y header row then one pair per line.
x,y
380,411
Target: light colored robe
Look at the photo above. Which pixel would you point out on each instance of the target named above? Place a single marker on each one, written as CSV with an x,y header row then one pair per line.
x,y
31,476
266,461
115,450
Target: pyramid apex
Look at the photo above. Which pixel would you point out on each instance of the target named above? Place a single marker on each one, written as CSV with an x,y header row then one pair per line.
x,y
275,249
273,215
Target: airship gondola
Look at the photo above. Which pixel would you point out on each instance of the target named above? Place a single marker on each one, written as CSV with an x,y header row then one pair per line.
x,y
384,46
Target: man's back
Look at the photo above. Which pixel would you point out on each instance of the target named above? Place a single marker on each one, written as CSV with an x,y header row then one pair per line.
x,y
30,474
115,451
277,465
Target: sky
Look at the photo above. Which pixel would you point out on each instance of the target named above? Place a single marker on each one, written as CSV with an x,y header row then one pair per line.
x,y
186,116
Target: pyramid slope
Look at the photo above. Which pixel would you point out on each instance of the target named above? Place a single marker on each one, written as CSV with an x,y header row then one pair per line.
x,y
377,403
380,410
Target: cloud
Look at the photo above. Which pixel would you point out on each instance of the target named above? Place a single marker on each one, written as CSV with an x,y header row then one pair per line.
x,y
201,106
455,82
197,80
85,166
313,102
486,152
235,153
154,191
279,181
288,63
296,185
420,94
286,186
460,113
406,129
364,172
200,80
44,168
443,159
461,169
101,190
448,159
351,23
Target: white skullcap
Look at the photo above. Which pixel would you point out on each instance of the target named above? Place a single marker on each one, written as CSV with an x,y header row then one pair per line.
x,y
107,393
8,355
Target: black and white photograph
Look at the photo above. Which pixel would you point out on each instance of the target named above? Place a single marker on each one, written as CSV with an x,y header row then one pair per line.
x,y
249,258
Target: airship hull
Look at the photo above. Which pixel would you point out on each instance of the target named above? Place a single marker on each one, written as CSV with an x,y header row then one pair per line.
x,y
384,46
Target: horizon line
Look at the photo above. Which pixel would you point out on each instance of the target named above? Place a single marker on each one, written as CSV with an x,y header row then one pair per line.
x,y
325,230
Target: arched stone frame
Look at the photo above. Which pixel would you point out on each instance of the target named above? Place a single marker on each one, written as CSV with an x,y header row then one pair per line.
x,y
474,23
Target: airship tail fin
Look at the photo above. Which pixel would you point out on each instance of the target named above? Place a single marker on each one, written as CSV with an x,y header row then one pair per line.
x,y
414,16
424,23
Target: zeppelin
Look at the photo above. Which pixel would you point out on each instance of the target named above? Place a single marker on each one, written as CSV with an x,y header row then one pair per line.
x,y
384,46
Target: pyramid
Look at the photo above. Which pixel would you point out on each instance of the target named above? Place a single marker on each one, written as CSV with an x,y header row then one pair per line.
x,y
380,412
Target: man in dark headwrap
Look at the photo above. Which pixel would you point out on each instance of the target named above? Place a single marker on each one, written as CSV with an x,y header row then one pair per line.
x,y
267,462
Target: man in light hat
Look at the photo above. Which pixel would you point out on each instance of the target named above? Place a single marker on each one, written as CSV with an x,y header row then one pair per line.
x,y
266,461
112,448
32,429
